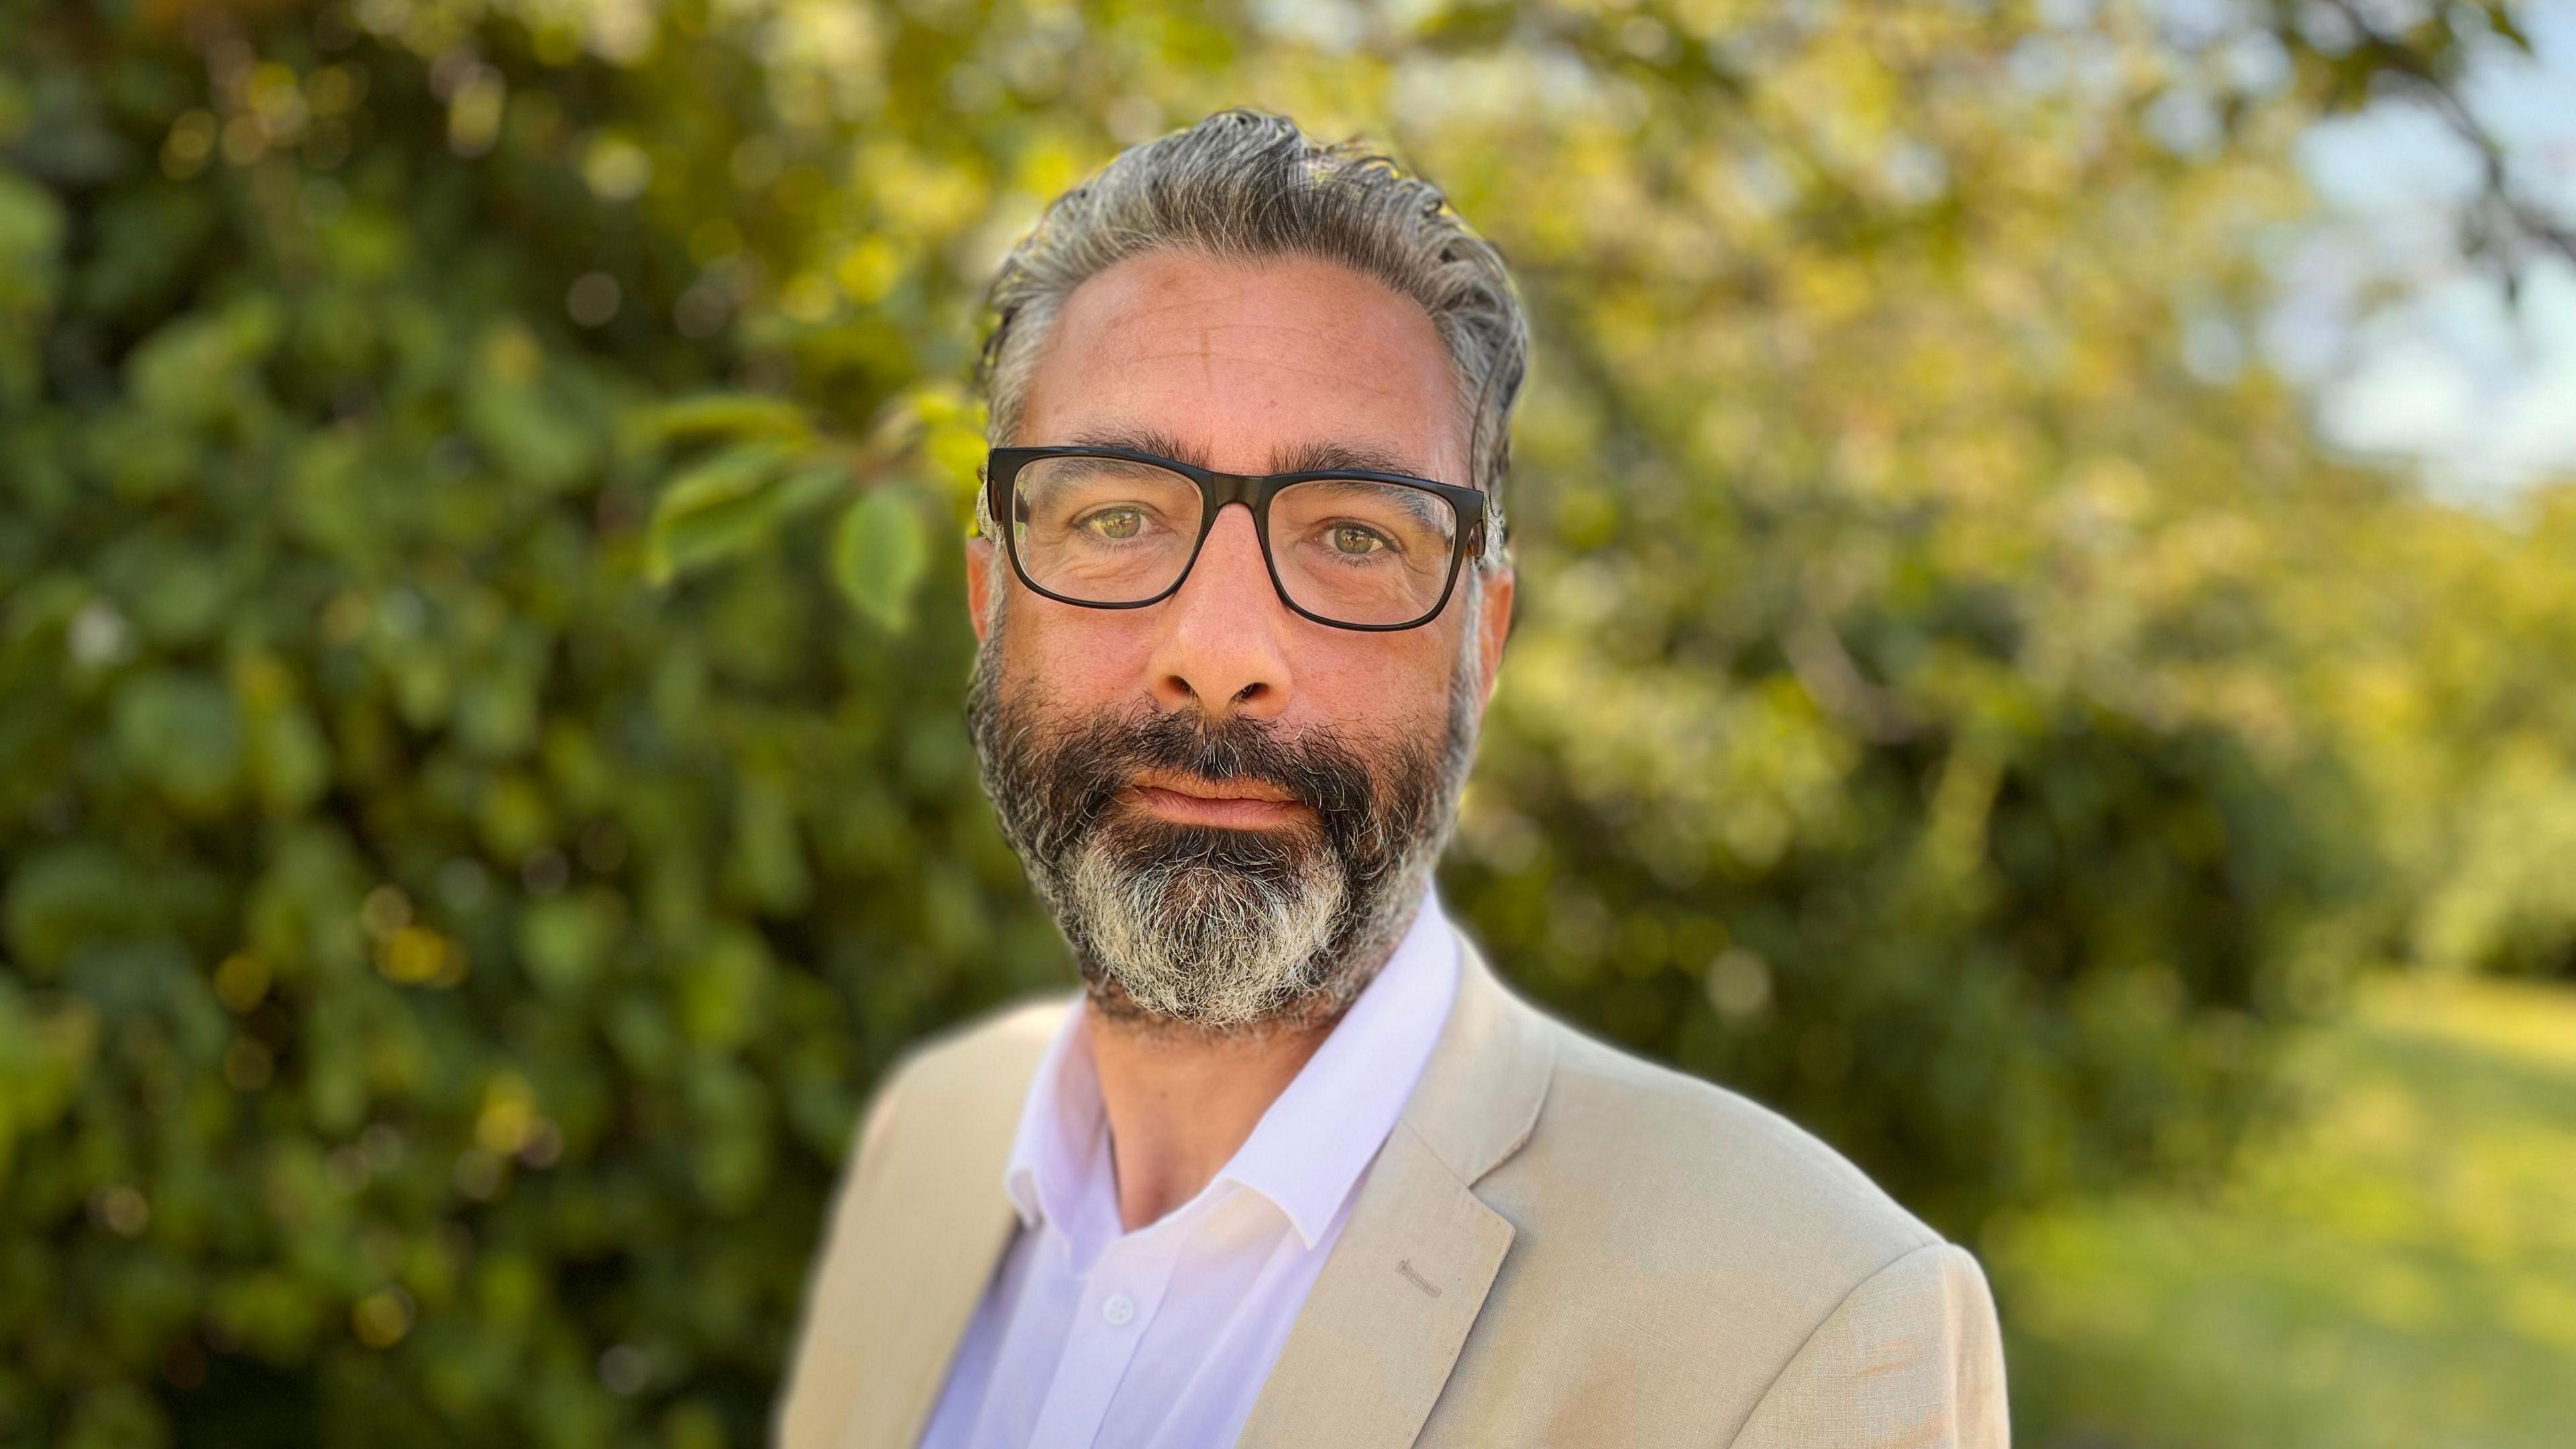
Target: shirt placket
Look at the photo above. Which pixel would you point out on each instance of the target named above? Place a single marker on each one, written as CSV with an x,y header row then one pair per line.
x,y
1119,1298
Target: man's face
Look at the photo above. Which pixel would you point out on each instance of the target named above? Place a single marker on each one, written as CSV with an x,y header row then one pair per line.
x,y
1231,808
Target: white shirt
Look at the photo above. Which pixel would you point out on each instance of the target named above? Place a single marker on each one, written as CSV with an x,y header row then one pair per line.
x,y
1161,1338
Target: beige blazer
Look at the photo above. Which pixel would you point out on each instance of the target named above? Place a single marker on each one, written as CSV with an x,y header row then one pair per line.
x,y
1559,1244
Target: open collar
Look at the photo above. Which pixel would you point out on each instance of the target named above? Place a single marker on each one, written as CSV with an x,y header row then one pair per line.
x,y
1311,1144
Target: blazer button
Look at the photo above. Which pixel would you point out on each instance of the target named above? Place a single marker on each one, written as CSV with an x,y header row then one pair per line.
x,y
1117,1308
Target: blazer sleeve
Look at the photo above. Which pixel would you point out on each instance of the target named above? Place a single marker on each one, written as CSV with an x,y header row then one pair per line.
x,y
1912,1357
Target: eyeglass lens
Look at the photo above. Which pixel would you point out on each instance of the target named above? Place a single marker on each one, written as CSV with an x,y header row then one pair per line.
x,y
1115,531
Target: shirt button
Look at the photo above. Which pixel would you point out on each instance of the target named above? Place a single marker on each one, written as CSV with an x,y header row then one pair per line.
x,y
1117,1308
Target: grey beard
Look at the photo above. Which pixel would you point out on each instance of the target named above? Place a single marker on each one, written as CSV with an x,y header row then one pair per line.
x,y
1220,931
1185,939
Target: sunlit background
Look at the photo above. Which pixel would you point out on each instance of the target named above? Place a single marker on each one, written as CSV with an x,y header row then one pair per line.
x,y
2047,651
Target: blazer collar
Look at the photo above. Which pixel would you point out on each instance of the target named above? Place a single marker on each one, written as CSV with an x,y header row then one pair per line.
x,y
1480,1093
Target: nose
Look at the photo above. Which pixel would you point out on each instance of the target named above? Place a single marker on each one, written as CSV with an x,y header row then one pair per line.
x,y
1221,650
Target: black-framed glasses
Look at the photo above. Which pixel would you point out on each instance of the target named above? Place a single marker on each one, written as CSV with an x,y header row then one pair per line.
x,y
1110,528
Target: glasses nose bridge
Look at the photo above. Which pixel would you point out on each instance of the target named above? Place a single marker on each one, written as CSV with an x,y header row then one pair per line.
x,y
1225,488
1250,490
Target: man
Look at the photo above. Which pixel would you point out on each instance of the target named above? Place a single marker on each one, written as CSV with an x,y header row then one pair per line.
x,y
1294,1167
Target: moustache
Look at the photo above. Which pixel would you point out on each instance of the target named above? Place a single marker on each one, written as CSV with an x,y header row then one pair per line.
x,y
1094,767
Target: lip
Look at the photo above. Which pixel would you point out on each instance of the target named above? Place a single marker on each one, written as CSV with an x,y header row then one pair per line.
x,y
1232,804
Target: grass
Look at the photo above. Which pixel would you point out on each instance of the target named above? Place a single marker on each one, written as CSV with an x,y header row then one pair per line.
x,y
2399,1269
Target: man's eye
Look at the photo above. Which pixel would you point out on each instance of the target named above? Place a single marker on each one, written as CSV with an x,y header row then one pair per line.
x,y
1117,523
1354,540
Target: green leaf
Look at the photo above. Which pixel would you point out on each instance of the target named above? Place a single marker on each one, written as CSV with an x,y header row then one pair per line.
x,y
180,731
564,942
713,510
724,988
194,370
809,488
68,896
290,759
31,234
31,237
879,553
535,436
736,415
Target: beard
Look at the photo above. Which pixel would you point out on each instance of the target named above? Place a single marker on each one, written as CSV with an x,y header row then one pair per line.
x,y
1222,931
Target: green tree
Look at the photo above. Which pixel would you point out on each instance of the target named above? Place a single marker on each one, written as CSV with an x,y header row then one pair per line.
x,y
481,789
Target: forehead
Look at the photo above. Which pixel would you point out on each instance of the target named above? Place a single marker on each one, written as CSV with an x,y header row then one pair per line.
x,y
1248,367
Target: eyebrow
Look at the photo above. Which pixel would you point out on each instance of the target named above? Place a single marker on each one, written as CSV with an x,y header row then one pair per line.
x,y
1328,457
1313,456
1139,440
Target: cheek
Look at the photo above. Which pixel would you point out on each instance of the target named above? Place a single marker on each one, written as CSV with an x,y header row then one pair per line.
x,y
1080,657
1388,686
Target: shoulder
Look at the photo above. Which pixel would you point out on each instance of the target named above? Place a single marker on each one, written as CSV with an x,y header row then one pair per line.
x,y
1912,1356
1705,1244
1692,1198
973,1072
1717,1147
968,1053
927,1167
1682,1255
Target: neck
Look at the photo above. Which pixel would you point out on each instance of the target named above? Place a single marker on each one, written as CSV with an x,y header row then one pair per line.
x,y
1181,1102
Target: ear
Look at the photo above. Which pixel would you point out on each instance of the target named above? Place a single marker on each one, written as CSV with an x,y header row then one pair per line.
x,y
1493,626
983,575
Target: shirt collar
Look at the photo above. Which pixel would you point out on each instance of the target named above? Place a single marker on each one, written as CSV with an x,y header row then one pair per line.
x,y
1059,1126
1311,1145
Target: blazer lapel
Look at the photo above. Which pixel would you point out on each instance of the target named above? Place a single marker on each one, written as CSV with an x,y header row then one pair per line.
x,y
1381,1329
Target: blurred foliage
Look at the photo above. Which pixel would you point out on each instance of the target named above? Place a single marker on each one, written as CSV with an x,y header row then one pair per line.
x,y
2450,643
481,787
2402,1264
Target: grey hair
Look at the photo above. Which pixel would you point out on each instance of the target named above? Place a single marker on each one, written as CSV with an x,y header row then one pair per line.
x,y
1245,185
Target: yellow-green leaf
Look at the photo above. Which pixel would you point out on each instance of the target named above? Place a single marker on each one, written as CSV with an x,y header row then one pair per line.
x,y
736,415
715,509
879,553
